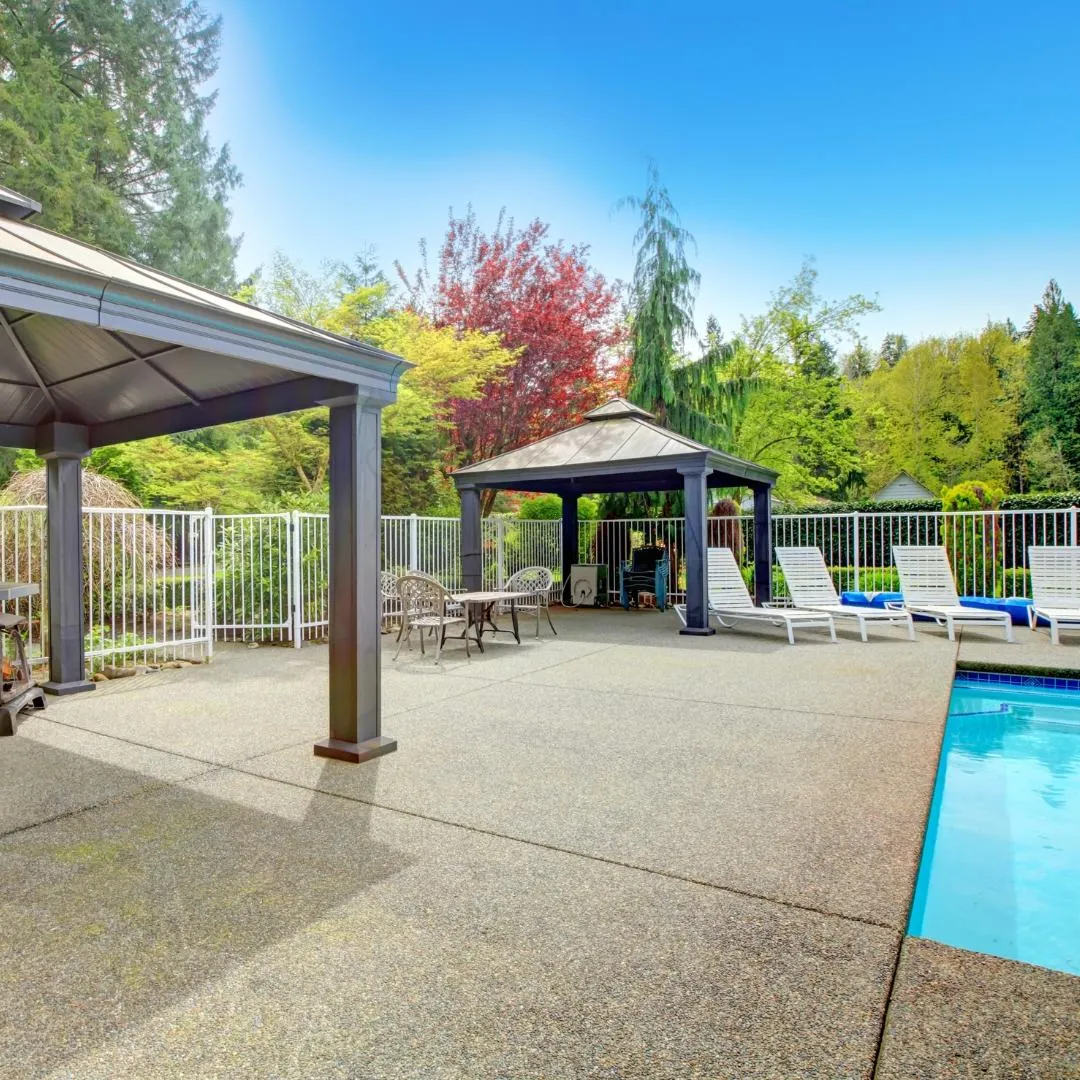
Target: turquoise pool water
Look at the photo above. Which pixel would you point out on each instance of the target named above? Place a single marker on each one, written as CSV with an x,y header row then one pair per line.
x,y
1000,870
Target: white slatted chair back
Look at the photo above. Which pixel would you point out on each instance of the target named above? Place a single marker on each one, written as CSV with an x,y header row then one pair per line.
x,y
727,590
926,578
1055,576
808,578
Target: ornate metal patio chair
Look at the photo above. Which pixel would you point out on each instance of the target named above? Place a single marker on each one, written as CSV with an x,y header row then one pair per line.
x,y
645,571
424,606
388,592
537,581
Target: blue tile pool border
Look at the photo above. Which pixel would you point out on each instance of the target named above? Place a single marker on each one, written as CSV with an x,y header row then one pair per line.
x,y
1008,678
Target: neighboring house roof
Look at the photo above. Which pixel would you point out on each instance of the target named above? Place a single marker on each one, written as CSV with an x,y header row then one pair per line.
x,y
89,338
903,486
616,442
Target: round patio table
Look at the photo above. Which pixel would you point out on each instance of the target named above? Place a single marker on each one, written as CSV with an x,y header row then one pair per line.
x,y
479,607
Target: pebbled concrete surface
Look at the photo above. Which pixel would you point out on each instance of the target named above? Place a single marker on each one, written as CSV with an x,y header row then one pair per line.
x,y
811,809
1032,649
957,1014
615,853
203,934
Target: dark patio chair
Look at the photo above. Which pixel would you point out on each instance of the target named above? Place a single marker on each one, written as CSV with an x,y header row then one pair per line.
x,y
646,571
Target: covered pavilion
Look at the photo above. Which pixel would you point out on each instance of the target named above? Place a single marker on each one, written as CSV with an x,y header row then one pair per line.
x,y
619,448
96,349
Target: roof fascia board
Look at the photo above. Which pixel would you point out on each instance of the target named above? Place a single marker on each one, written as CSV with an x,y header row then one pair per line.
x,y
100,302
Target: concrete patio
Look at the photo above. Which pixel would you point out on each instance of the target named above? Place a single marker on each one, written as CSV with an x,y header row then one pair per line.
x,y
614,853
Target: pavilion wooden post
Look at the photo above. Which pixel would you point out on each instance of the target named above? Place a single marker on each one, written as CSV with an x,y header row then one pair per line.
x,y
570,553
63,446
696,492
762,543
472,543
355,605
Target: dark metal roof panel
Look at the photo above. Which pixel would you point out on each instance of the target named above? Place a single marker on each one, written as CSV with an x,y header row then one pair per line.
x,y
117,392
61,349
208,376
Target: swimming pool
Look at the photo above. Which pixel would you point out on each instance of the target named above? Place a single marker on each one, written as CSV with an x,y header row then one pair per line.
x,y
1000,870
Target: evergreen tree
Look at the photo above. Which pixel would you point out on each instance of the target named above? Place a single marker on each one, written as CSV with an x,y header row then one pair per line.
x,y
859,363
102,121
892,348
1052,393
699,398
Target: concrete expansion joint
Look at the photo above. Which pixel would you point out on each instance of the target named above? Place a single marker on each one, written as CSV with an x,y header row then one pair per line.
x,y
151,786
476,829
637,694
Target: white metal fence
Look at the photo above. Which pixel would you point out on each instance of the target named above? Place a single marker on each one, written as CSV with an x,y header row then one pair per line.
x,y
164,583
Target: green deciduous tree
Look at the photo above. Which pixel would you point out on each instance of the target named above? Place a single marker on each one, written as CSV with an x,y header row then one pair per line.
x,y
946,412
102,120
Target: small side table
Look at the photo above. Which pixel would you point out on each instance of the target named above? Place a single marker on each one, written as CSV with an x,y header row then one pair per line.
x,y
17,687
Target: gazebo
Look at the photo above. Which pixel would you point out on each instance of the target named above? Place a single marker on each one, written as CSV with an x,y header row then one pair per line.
x,y
619,448
96,349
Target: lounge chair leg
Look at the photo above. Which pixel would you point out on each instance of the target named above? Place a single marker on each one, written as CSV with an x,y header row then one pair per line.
x,y
832,630
1009,630
790,634
1054,639
862,629
950,628
910,628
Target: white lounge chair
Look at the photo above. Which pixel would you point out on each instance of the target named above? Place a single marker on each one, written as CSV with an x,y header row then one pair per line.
x,y
1055,588
729,599
811,587
926,582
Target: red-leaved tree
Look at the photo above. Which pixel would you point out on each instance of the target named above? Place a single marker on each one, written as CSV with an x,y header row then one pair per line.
x,y
541,297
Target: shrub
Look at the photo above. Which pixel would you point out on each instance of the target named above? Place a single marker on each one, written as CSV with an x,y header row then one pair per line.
x,y
725,528
974,543
1015,582
871,578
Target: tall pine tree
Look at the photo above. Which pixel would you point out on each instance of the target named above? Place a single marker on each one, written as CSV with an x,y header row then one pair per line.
x,y
103,122
1052,396
698,398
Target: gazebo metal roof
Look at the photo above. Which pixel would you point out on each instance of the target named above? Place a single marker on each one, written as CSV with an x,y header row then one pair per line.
x,y
96,349
89,338
618,447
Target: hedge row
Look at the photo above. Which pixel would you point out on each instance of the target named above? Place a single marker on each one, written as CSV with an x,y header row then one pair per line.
x,y
1061,500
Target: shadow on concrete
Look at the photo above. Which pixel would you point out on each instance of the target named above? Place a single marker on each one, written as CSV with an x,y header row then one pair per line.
x,y
112,914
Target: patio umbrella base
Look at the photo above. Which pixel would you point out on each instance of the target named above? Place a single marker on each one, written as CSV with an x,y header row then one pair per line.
x,y
355,752
698,631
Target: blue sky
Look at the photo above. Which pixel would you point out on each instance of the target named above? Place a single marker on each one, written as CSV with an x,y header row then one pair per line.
x,y
923,152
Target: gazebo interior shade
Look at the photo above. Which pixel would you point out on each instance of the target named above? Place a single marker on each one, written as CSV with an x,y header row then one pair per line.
x,y
92,339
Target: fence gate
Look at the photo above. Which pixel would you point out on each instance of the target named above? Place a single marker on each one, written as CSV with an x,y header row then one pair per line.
x,y
254,567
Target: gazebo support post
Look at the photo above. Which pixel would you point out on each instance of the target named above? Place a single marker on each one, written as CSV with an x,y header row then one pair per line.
x,y
696,493
570,552
355,638
63,446
472,543
762,543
